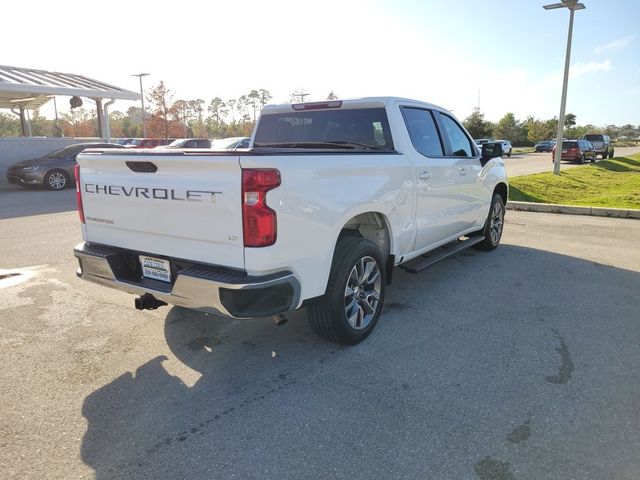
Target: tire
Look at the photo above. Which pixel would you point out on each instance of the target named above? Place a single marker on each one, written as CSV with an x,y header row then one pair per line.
x,y
509,154
341,315
493,226
611,154
57,180
583,159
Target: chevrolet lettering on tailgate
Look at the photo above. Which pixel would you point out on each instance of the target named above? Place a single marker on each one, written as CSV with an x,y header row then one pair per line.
x,y
155,193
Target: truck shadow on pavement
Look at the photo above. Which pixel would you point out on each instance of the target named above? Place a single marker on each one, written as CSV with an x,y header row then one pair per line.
x,y
23,202
463,353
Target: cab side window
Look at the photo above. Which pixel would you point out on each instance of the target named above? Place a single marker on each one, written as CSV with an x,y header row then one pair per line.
x,y
460,142
423,132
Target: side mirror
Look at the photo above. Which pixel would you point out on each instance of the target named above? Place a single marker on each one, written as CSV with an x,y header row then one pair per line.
x,y
490,150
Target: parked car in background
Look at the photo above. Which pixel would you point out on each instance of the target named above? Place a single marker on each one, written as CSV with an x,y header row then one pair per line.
x,y
189,143
231,143
602,144
149,142
124,141
53,170
580,151
506,147
482,141
544,145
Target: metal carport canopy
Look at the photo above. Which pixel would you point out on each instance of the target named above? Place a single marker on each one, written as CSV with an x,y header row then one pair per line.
x,y
29,88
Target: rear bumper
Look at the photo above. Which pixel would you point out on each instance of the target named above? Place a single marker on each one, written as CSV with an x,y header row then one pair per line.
x,y
576,158
202,287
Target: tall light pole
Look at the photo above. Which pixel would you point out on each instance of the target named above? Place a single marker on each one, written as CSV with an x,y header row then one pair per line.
x,y
572,5
144,124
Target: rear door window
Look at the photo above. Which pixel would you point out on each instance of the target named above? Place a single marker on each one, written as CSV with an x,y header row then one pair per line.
x,y
423,131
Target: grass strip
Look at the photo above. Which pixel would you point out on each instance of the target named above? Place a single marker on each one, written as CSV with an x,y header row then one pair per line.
x,y
611,183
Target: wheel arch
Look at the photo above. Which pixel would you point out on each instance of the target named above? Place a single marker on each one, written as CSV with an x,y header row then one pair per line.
x,y
375,227
503,190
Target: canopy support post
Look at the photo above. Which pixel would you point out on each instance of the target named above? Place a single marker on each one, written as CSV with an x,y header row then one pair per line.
x,y
100,117
23,122
107,124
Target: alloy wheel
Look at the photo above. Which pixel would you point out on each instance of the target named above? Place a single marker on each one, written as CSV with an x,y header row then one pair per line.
x,y
362,293
57,181
497,221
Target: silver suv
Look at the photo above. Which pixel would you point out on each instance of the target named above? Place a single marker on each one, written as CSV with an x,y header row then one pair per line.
x,y
602,144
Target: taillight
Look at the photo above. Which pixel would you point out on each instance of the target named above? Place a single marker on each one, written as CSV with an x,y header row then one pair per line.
x,y
259,222
76,171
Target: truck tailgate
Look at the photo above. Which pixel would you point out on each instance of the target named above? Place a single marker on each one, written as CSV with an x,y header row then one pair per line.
x,y
181,205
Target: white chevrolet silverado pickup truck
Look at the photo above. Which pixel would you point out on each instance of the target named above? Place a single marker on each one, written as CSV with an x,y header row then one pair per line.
x,y
330,197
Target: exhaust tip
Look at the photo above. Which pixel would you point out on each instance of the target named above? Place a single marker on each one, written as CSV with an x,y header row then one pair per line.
x,y
279,319
148,302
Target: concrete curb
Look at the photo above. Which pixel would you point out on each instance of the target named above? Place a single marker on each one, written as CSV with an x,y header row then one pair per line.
x,y
574,210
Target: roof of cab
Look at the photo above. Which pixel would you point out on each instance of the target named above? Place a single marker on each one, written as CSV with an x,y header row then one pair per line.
x,y
364,102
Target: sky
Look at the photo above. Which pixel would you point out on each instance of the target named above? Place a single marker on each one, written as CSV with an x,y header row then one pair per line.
x,y
505,56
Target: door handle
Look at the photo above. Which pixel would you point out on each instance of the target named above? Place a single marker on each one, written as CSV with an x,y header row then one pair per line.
x,y
424,175
462,171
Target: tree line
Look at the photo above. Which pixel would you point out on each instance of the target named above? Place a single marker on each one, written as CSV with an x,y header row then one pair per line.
x,y
531,130
165,117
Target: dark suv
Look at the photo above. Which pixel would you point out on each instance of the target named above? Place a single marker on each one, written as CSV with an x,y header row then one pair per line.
x,y
544,145
580,151
601,143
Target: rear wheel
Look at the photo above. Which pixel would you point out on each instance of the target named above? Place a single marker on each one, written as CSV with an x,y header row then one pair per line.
x,y
493,226
56,180
351,306
583,159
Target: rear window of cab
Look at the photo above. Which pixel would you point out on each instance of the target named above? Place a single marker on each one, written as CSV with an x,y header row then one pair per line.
x,y
353,129
594,138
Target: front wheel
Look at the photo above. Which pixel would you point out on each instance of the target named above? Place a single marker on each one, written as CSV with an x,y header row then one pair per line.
x,y
611,154
351,306
509,154
56,180
493,226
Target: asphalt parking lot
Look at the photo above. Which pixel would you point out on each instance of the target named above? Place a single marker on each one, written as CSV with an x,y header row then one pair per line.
x,y
518,364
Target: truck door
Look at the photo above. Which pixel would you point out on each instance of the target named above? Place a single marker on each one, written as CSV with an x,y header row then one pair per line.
x,y
438,201
472,192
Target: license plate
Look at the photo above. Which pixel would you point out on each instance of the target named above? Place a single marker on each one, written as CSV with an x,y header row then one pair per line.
x,y
155,268
564,151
